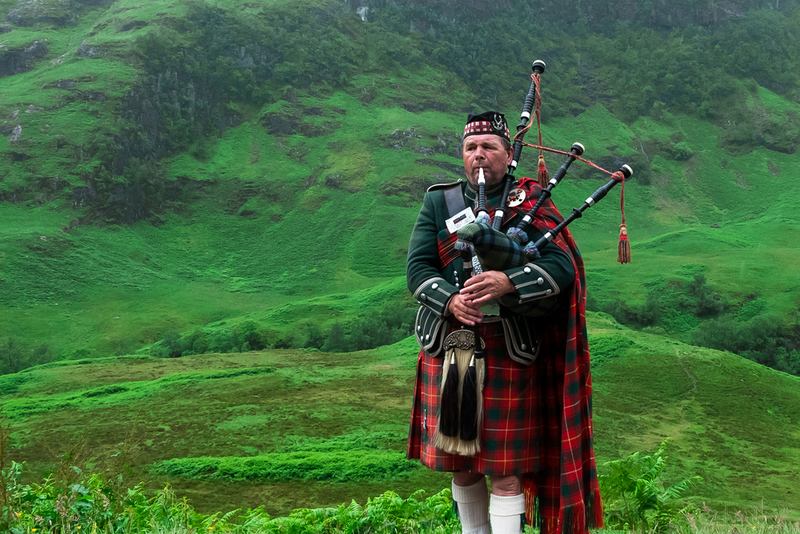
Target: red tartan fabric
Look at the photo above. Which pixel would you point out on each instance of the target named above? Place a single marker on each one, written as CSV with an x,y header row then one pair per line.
x,y
564,496
446,243
510,433
550,402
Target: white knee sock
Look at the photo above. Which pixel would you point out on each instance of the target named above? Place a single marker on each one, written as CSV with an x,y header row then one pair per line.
x,y
473,507
506,512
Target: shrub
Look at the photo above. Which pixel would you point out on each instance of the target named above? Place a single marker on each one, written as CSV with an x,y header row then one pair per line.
x,y
15,357
764,339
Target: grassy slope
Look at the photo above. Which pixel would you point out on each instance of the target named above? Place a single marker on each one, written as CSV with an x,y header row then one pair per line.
x,y
227,253
189,407
647,389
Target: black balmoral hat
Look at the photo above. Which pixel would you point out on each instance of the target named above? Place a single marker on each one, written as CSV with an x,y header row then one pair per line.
x,y
488,122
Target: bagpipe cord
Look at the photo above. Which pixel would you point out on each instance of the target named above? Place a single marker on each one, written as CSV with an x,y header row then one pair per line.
x,y
624,248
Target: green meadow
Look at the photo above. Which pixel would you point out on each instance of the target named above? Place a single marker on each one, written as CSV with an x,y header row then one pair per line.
x,y
301,428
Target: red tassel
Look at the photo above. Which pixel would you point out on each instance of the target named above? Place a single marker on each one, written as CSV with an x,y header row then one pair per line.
x,y
542,175
624,253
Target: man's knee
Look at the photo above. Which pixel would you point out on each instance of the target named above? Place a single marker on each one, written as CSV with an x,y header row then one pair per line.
x,y
506,485
466,478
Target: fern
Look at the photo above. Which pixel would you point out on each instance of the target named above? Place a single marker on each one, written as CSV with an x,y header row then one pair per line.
x,y
635,494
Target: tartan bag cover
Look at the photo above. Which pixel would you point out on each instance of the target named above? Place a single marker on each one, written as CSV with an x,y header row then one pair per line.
x,y
550,441
495,249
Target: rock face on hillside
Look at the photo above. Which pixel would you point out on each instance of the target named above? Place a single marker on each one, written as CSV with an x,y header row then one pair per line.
x,y
411,139
596,14
21,60
58,12
30,12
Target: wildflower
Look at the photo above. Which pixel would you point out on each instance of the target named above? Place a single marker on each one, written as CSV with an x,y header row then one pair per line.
x,y
690,517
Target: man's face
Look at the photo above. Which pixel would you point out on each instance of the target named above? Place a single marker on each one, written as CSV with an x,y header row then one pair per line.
x,y
485,151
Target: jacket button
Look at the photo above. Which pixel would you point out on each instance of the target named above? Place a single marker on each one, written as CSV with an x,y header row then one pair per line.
x,y
427,337
435,287
524,346
540,281
419,327
423,296
548,291
526,270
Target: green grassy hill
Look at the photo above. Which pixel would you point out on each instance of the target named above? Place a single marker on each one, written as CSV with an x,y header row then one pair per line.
x,y
288,428
254,237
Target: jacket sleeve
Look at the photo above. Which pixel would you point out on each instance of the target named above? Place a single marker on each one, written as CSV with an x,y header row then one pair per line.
x,y
425,281
539,283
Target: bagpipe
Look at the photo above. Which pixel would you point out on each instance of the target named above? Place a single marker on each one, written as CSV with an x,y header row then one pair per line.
x,y
483,246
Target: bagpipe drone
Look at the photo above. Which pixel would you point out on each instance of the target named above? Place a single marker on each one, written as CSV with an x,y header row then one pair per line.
x,y
484,247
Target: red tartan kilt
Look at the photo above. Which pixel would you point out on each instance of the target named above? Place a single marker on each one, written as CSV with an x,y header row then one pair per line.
x,y
511,432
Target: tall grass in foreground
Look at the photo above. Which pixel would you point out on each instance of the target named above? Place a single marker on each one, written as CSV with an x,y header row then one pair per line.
x,y
91,506
70,502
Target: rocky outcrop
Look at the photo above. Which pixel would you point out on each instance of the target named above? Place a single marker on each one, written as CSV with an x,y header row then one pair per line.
x,y
58,12
86,50
21,59
423,143
30,12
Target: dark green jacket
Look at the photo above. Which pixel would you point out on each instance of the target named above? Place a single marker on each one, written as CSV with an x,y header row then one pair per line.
x,y
539,284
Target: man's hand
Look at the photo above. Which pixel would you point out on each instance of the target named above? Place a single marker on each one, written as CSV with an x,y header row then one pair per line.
x,y
463,311
476,292
486,286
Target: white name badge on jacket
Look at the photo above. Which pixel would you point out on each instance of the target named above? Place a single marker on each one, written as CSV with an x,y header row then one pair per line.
x,y
460,220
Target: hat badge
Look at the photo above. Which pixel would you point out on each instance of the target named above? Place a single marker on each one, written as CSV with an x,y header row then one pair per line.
x,y
497,122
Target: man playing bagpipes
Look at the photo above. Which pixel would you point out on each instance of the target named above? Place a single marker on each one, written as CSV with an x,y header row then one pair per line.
x,y
503,387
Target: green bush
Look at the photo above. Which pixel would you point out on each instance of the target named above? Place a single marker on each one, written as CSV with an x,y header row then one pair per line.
x,y
674,305
241,338
765,339
14,356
